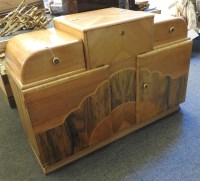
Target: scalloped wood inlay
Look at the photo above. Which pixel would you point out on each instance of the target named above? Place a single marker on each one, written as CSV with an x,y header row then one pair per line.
x,y
110,109
162,92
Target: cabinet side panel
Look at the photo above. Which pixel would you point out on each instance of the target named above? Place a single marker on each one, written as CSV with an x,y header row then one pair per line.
x,y
19,98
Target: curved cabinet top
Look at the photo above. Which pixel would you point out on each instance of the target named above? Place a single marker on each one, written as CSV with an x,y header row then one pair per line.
x,y
43,54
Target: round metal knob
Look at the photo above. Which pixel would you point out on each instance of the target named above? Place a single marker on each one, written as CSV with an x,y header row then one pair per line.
x,y
172,29
122,32
145,86
56,60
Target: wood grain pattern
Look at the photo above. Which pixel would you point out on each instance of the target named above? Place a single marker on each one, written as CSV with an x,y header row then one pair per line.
x,y
94,121
122,87
162,79
54,145
115,137
162,93
177,90
83,121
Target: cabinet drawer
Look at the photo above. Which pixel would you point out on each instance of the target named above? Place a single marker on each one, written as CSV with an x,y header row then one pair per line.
x,y
109,45
40,55
168,30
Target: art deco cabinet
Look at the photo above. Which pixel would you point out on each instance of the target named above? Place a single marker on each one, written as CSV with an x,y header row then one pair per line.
x,y
95,77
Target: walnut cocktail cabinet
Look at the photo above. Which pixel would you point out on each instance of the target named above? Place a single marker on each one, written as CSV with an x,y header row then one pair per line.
x,y
96,77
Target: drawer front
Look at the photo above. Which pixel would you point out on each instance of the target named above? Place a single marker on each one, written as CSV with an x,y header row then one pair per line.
x,y
169,30
44,54
113,44
53,62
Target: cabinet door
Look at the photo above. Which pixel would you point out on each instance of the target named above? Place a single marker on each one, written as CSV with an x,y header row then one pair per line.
x,y
162,79
79,112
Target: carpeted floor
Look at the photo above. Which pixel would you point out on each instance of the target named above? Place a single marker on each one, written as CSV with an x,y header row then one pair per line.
x,y
168,150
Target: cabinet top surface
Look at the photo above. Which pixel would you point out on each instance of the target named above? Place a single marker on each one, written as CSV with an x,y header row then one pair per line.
x,y
101,18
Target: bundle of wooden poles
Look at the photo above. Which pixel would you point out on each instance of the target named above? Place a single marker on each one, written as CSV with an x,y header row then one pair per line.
x,y
23,18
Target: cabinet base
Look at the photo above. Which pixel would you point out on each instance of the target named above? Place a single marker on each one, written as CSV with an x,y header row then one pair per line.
x,y
55,166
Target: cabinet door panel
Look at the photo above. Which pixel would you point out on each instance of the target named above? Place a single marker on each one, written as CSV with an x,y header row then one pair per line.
x,y
162,78
77,113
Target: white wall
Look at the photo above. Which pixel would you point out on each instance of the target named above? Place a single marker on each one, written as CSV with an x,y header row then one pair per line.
x,y
164,5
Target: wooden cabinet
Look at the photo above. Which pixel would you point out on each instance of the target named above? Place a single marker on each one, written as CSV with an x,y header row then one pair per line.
x,y
110,80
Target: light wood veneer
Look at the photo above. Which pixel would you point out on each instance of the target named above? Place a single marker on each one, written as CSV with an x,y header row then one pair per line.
x,y
118,71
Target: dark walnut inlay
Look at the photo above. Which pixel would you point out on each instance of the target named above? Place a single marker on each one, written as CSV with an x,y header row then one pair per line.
x,y
110,109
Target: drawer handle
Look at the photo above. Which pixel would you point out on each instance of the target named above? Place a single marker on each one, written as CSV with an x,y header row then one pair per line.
x,y
122,32
172,29
56,60
145,85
